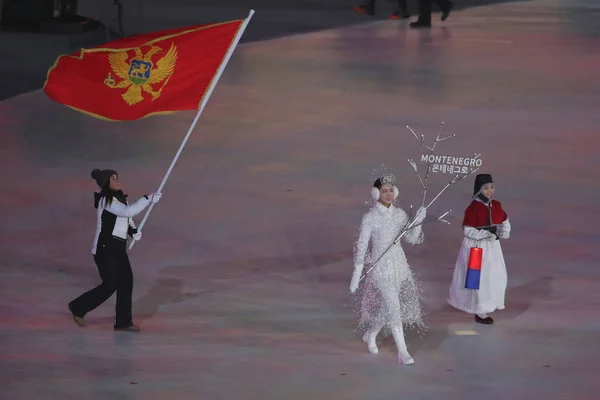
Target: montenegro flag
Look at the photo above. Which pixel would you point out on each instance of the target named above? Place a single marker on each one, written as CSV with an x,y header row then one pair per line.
x,y
139,76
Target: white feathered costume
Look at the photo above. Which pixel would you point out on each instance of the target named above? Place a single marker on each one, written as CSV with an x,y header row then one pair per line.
x,y
389,297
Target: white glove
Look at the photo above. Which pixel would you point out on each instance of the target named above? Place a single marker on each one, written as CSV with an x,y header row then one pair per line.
x,y
499,231
356,277
154,197
421,214
137,236
504,230
502,234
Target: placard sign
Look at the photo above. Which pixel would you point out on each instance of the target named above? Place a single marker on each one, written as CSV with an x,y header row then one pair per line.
x,y
451,164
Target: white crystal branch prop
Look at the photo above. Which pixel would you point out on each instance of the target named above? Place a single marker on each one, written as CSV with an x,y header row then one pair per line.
x,y
447,137
405,229
431,151
408,226
414,167
416,137
441,217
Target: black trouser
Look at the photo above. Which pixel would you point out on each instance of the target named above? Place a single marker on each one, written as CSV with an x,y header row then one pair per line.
x,y
115,270
425,9
401,4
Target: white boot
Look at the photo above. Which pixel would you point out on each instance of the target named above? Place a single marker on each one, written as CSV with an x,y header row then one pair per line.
x,y
370,339
405,359
403,356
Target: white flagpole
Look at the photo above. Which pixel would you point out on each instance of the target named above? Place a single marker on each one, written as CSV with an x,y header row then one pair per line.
x,y
202,105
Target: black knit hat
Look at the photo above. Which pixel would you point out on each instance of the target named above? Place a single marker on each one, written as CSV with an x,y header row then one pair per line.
x,y
480,180
102,177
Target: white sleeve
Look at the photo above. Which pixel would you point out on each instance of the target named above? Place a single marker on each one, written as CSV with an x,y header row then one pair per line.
x,y
415,235
505,230
478,234
362,244
126,211
132,224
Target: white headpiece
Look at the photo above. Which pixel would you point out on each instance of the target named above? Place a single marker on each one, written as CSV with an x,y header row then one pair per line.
x,y
379,182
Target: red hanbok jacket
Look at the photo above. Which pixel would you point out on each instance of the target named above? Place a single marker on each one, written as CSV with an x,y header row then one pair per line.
x,y
477,215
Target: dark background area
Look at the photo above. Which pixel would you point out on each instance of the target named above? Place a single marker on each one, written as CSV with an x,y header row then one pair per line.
x,y
32,37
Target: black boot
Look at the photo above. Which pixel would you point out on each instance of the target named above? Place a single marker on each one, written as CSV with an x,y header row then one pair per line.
x,y
485,321
420,24
78,320
130,328
446,12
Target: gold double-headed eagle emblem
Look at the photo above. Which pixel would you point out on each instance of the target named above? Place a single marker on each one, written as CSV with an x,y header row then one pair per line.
x,y
138,73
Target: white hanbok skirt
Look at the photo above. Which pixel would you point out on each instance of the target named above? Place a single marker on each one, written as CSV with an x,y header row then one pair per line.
x,y
493,281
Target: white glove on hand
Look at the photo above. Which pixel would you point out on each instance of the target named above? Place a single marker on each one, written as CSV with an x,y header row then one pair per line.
x,y
502,234
421,214
356,278
137,236
155,198
499,231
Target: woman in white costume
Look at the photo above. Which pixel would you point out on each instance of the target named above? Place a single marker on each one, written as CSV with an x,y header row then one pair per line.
x,y
389,297
485,222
